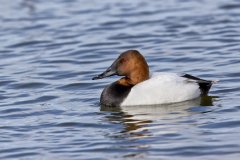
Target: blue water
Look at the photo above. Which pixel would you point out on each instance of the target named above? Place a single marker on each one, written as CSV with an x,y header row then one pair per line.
x,y
50,50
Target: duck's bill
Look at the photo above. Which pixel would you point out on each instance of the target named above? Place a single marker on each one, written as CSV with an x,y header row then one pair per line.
x,y
109,72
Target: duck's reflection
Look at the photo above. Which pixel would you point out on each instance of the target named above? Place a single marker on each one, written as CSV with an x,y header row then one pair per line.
x,y
141,123
135,119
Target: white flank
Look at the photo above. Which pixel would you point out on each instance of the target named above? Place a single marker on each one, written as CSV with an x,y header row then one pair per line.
x,y
162,88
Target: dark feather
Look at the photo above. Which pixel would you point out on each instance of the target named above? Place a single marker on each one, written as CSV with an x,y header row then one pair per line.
x,y
204,85
114,94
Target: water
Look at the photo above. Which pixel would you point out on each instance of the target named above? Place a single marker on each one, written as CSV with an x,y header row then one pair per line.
x,y
50,50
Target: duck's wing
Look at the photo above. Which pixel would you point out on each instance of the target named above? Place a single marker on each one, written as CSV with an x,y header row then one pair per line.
x,y
204,85
162,88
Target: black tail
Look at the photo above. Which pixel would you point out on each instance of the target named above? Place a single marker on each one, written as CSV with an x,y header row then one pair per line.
x,y
204,85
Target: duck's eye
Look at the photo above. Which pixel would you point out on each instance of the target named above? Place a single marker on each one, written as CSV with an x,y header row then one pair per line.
x,y
122,61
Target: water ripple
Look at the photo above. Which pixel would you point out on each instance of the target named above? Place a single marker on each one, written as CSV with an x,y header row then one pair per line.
x,y
50,107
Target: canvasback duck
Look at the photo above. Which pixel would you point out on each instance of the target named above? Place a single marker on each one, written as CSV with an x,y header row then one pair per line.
x,y
137,87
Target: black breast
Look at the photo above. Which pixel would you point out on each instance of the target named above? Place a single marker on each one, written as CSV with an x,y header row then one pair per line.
x,y
114,94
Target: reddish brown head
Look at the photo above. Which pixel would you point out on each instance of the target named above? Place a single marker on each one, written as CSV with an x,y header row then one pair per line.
x,y
130,64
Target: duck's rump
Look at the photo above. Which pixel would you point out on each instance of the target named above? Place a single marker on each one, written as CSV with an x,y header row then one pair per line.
x,y
164,88
204,85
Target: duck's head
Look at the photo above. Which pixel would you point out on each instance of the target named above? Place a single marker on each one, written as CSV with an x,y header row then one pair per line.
x,y
130,64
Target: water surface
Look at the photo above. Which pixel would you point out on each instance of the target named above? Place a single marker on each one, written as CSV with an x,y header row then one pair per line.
x,y
50,50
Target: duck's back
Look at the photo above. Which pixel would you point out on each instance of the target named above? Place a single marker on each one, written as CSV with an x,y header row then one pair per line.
x,y
162,88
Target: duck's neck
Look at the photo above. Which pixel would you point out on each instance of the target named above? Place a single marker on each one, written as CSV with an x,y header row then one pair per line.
x,y
134,78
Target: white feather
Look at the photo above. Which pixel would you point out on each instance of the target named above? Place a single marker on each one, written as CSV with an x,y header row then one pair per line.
x,y
162,88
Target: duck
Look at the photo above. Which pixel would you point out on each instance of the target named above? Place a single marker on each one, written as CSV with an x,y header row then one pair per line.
x,y
137,87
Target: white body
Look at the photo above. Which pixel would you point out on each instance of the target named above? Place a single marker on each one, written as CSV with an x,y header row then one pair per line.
x,y
162,88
